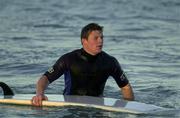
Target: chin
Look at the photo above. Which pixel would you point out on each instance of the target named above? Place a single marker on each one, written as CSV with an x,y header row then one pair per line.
x,y
99,51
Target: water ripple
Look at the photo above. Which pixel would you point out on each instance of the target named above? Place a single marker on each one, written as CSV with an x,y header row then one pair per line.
x,y
143,35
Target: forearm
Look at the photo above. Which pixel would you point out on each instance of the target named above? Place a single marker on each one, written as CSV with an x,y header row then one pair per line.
x,y
127,92
41,85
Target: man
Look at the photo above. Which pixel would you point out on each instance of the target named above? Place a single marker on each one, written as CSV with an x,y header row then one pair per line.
x,y
86,70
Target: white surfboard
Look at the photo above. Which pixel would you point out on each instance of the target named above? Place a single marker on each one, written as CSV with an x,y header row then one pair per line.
x,y
109,104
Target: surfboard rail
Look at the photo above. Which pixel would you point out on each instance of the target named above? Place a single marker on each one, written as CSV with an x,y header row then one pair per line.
x,y
109,104
59,104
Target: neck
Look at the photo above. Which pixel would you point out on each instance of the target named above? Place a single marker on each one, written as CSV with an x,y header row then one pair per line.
x,y
87,51
88,57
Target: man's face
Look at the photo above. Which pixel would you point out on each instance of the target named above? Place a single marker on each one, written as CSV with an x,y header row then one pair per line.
x,y
94,43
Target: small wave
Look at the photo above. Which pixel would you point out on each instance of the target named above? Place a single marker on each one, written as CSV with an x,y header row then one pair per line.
x,y
50,26
33,9
170,3
20,38
157,18
88,17
139,37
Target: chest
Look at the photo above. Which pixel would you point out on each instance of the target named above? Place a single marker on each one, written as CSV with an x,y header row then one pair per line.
x,y
85,69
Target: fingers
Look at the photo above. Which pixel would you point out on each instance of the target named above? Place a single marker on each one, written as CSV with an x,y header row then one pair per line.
x,y
45,98
37,100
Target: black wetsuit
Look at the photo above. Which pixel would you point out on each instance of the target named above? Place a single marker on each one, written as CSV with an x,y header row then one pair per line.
x,y
86,74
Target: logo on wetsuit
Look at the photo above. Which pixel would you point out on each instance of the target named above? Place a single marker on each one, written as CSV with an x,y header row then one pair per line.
x,y
51,70
123,76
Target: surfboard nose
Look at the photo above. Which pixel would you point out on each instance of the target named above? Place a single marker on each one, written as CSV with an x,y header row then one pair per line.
x,y
6,89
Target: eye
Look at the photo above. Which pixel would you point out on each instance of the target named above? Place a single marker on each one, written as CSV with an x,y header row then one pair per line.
x,y
96,38
102,37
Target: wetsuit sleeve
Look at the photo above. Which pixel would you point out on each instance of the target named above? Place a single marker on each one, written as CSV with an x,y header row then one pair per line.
x,y
56,70
118,74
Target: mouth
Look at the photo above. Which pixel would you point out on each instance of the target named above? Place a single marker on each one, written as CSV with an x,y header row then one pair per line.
x,y
99,46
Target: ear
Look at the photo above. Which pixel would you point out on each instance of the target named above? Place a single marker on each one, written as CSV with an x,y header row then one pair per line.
x,y
84,41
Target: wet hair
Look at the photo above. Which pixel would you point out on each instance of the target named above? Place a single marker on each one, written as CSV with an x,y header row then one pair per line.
x,y
86,30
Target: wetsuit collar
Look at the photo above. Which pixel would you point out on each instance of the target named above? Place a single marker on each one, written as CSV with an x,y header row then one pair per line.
x,y
87,56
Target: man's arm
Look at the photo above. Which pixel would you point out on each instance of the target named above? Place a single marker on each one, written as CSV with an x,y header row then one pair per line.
x,y
40,88
127,92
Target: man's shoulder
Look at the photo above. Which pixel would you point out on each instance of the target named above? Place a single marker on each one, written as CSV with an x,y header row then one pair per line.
x,y
72,53
107,56
109,59
69,56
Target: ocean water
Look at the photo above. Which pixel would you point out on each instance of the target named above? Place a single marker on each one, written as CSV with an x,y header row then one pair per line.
x,y
144,35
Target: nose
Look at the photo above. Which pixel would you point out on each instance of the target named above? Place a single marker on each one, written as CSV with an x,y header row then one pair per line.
x,y
100,40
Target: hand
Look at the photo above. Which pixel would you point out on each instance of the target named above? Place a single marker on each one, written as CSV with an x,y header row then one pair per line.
x,y
37,100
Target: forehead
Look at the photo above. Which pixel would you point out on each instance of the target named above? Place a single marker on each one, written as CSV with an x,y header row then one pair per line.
x,y
96,33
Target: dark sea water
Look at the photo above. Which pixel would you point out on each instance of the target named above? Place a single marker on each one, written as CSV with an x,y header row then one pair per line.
x,y
144,35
